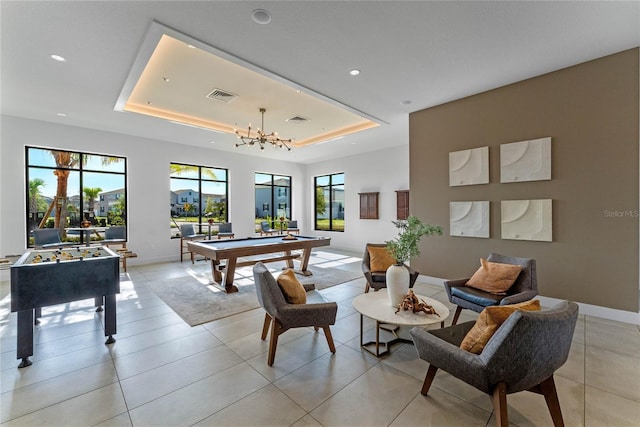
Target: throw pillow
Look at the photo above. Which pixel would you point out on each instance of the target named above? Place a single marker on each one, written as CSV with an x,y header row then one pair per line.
x,y
494,277
379,258
489,321
291,287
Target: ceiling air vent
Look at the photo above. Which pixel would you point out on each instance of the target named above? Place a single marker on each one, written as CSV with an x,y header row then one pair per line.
x,y
222,95
298,120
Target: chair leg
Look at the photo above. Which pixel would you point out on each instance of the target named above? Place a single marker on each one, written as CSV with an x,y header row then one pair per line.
x,y
366,288
428,379
456,316
273,342
548,389
327,334
499,400
265,327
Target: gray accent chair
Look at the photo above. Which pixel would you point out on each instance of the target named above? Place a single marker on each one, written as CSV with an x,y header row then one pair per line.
x,y
225,230
48,238
378,279
281,316
522,355
265,229
117,235
523,289
292,227
188,233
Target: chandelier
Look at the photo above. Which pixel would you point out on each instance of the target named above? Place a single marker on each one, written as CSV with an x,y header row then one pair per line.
x,y
262,138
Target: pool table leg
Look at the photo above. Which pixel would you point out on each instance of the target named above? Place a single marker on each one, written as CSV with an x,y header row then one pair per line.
x,y
229,272
304,262
215,272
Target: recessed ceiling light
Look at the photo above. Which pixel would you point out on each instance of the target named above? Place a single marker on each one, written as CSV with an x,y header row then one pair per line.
x,y
166,79
190,46
57,57
354,72
261,16
61,114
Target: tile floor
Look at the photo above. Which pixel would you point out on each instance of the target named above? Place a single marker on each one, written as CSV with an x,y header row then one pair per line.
x,y
161,372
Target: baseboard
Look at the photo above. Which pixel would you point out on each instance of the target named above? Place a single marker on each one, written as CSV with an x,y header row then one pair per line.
x,y
586,309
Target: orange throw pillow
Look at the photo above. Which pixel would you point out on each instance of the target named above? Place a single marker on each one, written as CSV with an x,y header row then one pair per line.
x,y
489,321
291,287
494,277
380,259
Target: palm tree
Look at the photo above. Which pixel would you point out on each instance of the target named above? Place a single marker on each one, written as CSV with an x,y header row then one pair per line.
x,y
65,162
91,194
34,193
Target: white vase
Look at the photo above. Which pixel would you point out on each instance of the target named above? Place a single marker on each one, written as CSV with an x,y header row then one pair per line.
x,y
397,283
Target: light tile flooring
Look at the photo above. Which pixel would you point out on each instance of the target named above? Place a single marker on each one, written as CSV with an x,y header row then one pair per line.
x,y
161,372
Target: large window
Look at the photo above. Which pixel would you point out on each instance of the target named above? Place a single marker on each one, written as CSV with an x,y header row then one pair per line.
x,y
198,194
66,187
272,197
329,205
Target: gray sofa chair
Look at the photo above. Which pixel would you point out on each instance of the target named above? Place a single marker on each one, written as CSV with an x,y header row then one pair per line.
x,y
48,238
376,279
292,227
522,355
523,289
117,236
225,230
281,316
265,229
188,233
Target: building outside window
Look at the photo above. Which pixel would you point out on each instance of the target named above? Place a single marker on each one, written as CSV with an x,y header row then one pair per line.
x,y
197,194
272,197
329,202
66,187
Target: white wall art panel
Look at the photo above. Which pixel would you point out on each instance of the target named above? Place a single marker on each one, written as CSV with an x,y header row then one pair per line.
x,y
526,160
469,167
527,220
469,219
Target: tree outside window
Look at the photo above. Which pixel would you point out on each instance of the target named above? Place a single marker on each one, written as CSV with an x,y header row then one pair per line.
x,y
329,202
197,194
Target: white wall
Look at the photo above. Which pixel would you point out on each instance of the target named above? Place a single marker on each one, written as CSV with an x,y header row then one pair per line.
x,y
148,186
384,171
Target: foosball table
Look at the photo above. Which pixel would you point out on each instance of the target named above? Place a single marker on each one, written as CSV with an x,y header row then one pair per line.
x,y
42,278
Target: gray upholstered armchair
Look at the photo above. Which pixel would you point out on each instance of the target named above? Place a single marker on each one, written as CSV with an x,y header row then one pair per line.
x,y
523,289
522,355
225,230
47,238
188,233
281,316
378,279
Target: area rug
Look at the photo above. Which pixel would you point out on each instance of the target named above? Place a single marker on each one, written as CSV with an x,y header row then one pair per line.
x,y
197,302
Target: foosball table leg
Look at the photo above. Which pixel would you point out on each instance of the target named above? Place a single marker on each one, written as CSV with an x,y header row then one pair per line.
x,y
25,362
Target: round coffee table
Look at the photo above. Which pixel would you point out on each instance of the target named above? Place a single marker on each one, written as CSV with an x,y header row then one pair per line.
x,y
375,305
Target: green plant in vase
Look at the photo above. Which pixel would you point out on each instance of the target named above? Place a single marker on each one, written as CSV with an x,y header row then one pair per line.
x,y
402,248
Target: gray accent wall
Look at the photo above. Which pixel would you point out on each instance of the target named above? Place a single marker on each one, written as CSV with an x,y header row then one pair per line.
x,y
591,113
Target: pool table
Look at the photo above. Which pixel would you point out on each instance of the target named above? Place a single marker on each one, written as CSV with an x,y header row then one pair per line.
x,y
231,250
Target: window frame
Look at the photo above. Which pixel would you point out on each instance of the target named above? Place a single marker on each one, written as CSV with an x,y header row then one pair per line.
x,y
198,199
273,203
82,170
331,190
